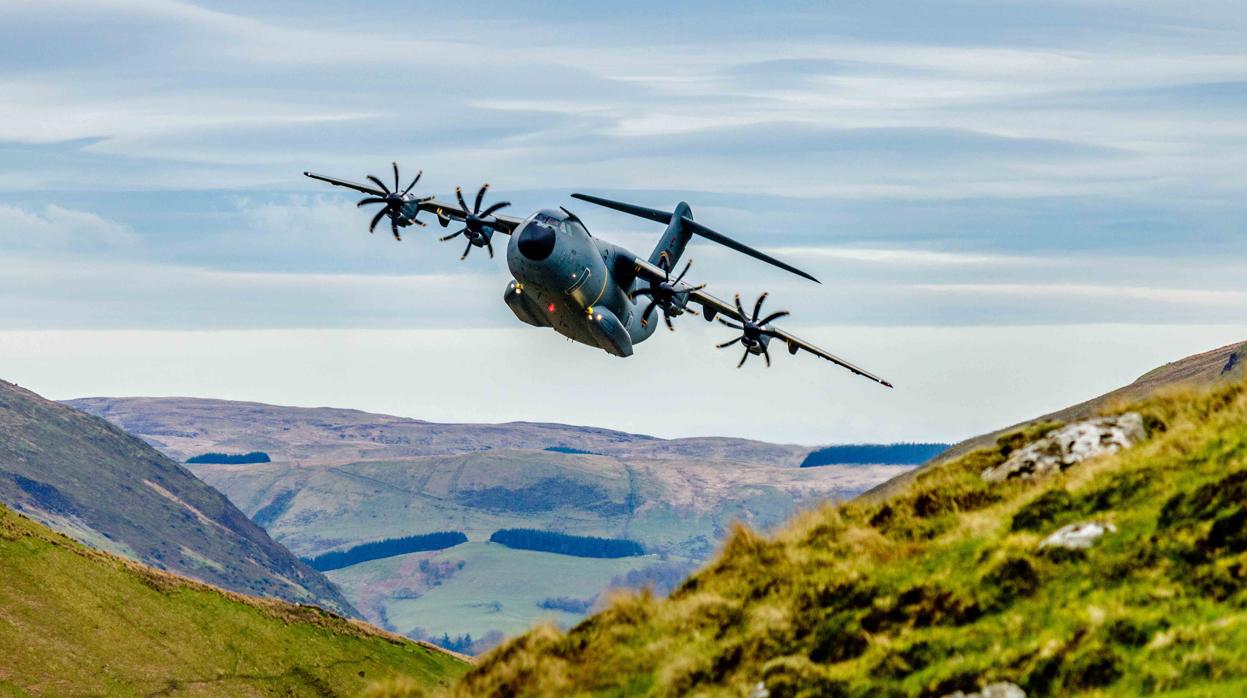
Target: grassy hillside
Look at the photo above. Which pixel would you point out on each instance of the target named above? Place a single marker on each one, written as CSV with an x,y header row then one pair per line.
x,y
87,478
77,621
944,587
683,507
1220,365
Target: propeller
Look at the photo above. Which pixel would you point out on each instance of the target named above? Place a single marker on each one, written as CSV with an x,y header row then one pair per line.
x,y
754,333
667,296
392,203
476,224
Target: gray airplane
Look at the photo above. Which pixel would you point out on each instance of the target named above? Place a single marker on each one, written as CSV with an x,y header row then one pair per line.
x,y
585,288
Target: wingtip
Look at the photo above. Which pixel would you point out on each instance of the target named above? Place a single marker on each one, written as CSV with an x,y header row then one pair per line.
x,y
886,384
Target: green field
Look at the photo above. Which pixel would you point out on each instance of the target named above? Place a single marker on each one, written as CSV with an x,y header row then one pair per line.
x,y
77,621
498,588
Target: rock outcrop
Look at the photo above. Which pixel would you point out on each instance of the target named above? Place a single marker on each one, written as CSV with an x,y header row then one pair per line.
x,y
1002,689
1078,536
1070,444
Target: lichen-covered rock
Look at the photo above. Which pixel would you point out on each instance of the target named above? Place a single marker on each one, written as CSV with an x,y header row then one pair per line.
x,y
1002,689
1070,444
1078,536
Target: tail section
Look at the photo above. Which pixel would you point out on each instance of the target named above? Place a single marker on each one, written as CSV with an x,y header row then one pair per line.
x,y
674,239
680,229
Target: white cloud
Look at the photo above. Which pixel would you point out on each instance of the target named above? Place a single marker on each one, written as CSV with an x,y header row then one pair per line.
x,y
60,228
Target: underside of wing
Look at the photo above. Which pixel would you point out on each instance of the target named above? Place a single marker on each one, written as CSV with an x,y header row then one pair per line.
x,y
364,188
447,212
713,307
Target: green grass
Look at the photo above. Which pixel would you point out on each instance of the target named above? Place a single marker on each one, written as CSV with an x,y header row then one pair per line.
x,y
514,580
943,587
77,621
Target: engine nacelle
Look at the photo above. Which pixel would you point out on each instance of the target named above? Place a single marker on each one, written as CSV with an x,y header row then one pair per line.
x,y
523,306
609,332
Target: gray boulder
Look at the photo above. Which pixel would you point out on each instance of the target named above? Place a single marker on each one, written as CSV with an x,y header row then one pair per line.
x,y
1078,536
1070,444
1002,689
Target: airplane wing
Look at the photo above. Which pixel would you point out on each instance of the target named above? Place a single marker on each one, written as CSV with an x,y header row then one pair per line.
x,y
446,212
364,188
713,306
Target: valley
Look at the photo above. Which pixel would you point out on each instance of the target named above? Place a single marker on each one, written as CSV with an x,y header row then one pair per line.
x,y
339,478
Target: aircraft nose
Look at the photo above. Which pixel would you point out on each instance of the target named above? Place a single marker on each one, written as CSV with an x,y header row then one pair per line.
x,y
536,241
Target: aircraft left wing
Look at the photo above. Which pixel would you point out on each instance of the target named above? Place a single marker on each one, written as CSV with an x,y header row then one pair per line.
x,y
453,212
713,306
363,188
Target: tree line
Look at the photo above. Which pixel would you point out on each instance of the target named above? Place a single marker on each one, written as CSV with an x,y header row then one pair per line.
x,y
564,544
388,547
231,458
874,454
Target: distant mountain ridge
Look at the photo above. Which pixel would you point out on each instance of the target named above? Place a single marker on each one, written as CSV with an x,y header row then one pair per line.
x,y
84,477
185,427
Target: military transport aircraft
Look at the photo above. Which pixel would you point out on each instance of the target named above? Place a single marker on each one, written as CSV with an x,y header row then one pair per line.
x,y
585,288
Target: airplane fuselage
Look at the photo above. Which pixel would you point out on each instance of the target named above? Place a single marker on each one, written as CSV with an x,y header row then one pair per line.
x,y
569,281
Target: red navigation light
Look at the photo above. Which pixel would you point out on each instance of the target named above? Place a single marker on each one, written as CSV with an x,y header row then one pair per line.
x,y
550,308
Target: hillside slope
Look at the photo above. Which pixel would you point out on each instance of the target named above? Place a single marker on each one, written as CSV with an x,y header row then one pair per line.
x,y
76,621
1223,364
86,478
946,587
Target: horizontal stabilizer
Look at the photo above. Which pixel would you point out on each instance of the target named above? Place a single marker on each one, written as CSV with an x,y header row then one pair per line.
x,y
695,228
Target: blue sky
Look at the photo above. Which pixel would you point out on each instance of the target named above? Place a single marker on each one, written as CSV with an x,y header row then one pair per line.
x,y
995,193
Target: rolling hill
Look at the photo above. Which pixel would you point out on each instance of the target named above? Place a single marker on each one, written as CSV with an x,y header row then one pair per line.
x,y
88,479
339,478
1121,574
79,621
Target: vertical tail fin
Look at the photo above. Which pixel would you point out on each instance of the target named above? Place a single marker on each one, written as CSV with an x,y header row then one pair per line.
x,y
674,239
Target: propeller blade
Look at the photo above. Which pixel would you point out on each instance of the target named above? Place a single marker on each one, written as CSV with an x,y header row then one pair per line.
x,y
394,229
774,316
757,307
379,183
643,292
740,308
489,246
455,234
372,227
725,345
730,324
370,200
743,359
396,184
667,319
466,250
413,182
649,310
496,207
692,312
681,276
480,196
462,204
696,288
766,354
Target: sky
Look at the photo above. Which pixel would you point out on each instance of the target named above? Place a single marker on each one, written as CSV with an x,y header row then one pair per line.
x,y
1013,206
